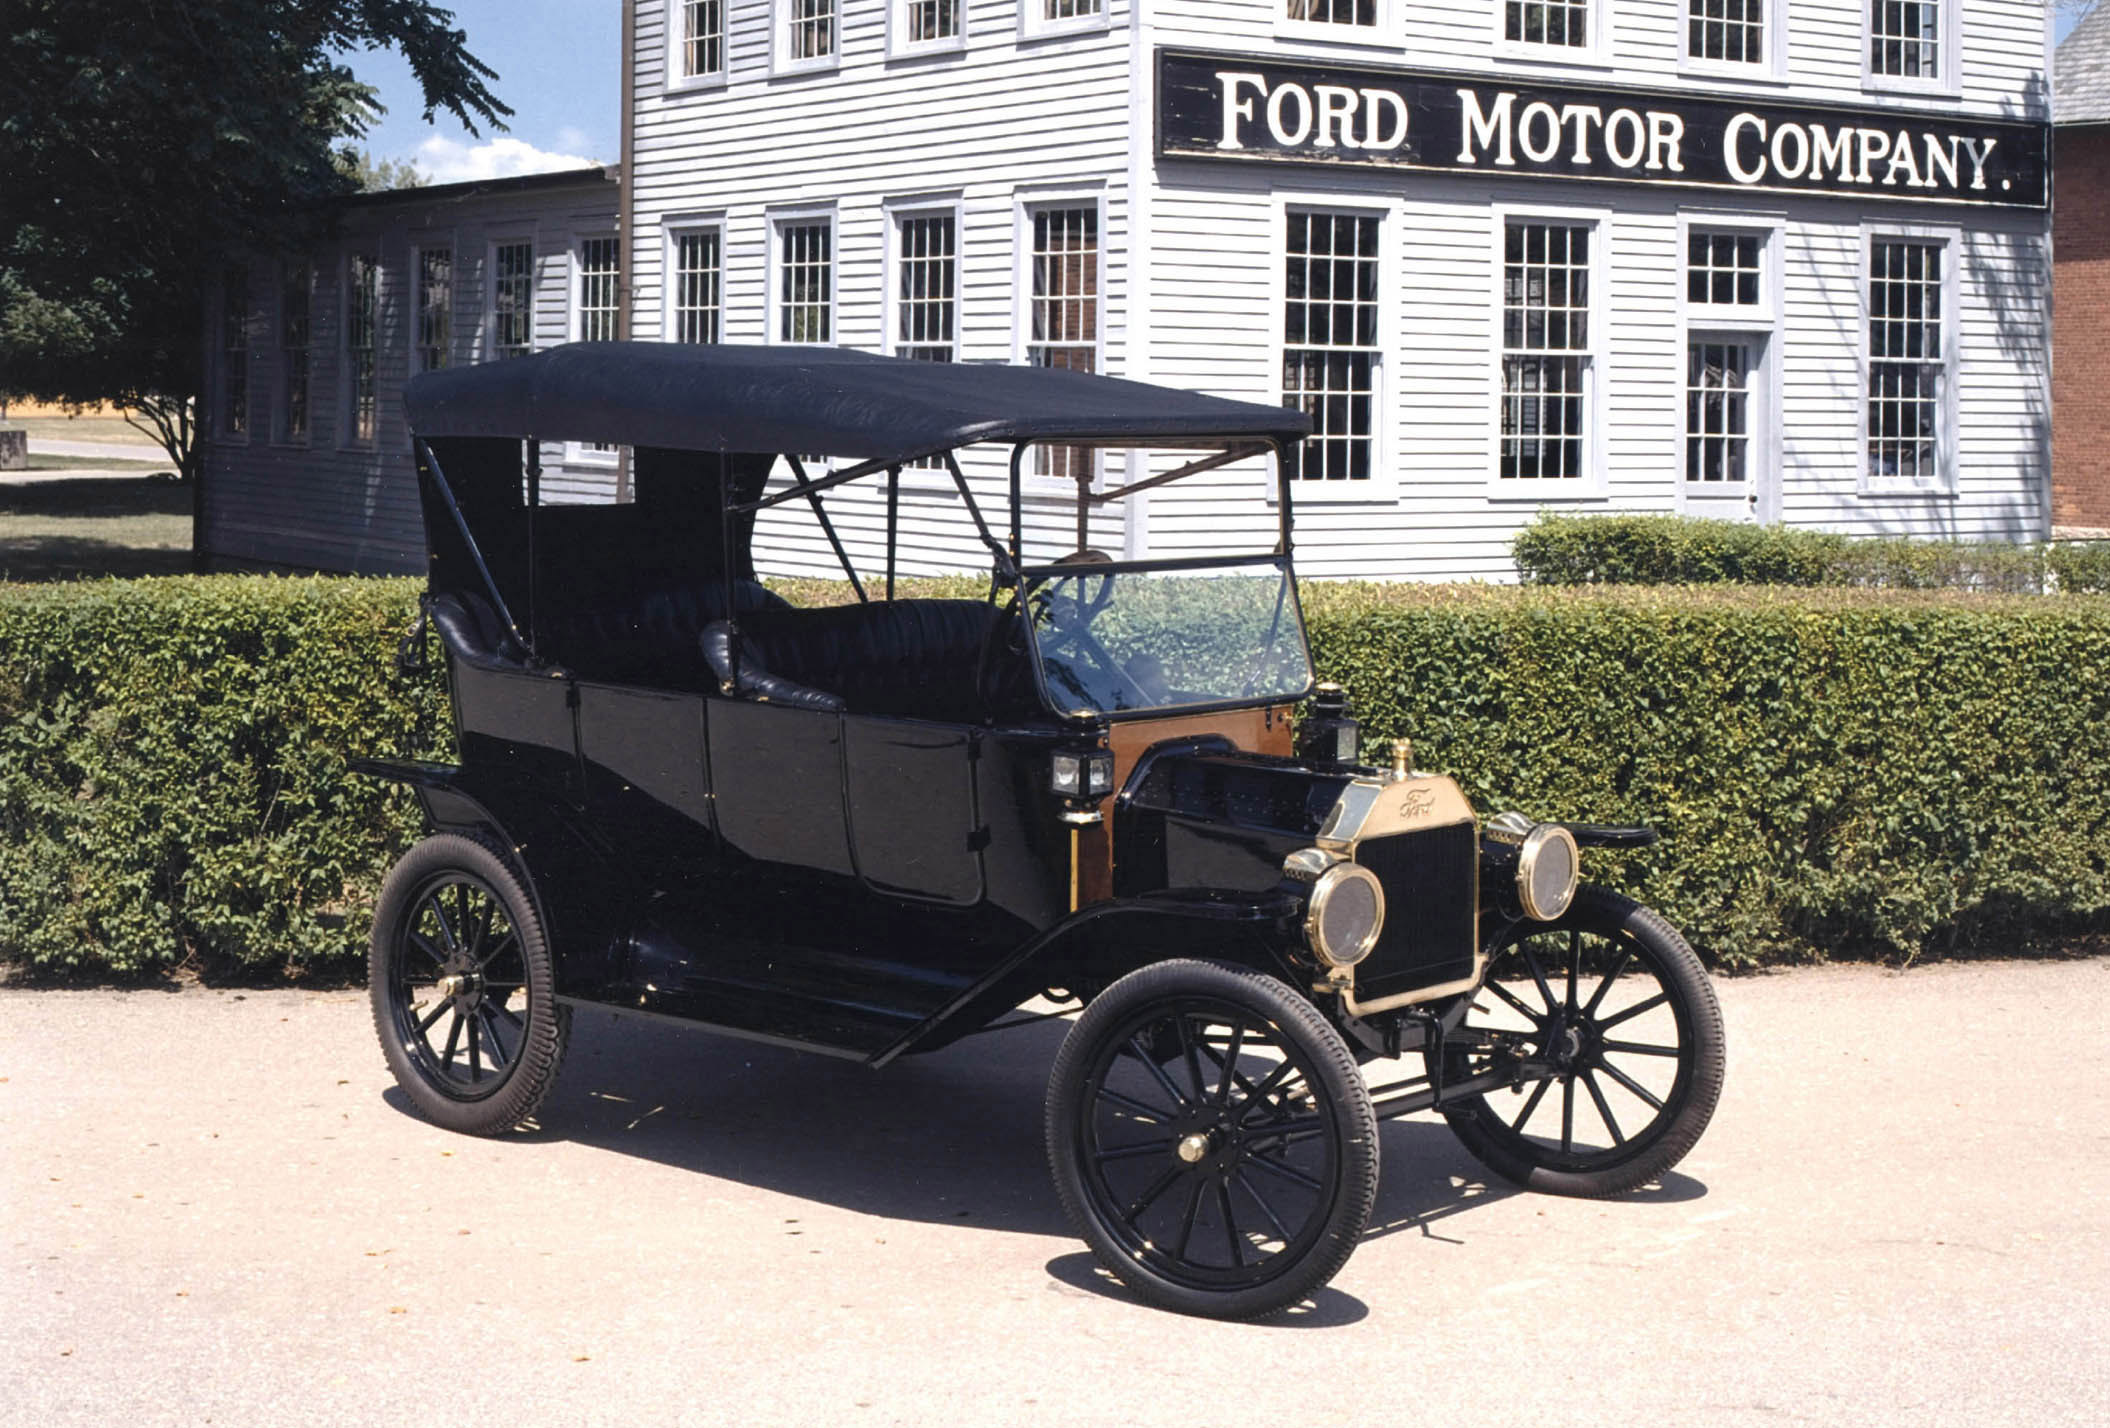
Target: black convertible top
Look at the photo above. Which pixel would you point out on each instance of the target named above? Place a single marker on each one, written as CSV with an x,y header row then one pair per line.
x,y
826,400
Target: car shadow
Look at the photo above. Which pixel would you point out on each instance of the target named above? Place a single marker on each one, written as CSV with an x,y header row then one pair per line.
x,y
953,1137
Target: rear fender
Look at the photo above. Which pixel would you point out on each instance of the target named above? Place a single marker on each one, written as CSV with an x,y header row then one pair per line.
x,y
449,807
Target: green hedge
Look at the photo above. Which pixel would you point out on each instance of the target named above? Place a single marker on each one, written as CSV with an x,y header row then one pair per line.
x,y
1838,772
1561,549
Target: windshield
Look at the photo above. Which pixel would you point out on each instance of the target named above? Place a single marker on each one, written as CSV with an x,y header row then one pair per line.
x,y
1118,640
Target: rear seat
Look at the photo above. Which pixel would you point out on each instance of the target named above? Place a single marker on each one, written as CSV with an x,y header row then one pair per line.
x,y
904,658
650,639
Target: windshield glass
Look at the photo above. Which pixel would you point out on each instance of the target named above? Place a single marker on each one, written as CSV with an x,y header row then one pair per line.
x,y
1112,641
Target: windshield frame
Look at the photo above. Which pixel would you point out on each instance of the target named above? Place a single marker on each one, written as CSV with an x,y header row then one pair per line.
x,y
1293,613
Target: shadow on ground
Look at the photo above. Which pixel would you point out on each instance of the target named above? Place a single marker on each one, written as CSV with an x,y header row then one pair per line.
x,y
71,530
953,1137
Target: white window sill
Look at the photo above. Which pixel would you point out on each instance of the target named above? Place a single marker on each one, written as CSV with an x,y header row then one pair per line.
x,y
1031,31
1565,56
927,49
1906,88
1764,72
1880,488
696,84
1579,492
1305,494
794,69
1362,37
1730,319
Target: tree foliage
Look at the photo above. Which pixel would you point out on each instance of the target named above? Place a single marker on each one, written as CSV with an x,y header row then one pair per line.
x,y
146,145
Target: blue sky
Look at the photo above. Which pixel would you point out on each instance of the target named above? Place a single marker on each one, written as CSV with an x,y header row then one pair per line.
x,y
557,63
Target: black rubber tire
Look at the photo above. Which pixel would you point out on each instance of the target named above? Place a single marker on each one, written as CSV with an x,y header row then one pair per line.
x,y
397,969
1688,1102
1325,1107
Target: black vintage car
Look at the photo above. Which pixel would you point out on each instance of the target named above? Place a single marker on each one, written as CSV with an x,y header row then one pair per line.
x,y
870,829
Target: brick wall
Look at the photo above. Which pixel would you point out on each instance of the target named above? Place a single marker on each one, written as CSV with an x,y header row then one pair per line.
x,y
2080,390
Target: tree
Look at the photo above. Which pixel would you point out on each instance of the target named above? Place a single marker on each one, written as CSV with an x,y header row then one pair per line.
x,y
372,175
146,146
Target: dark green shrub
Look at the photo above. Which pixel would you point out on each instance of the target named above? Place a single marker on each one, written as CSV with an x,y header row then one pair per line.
x,y
2082,567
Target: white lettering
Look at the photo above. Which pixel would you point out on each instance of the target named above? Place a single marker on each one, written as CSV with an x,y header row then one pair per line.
x,y
1831,151
1373,101
1629,156
1665,133
1978,157
1801,136
1901,158
1235,108
1539,112
1733,153
1336,105
1485,129
1941,159
1582,116
1289,138
1874,144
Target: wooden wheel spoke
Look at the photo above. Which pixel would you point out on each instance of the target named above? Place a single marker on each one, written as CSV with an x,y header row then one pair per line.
x,y
503,943
1626,955
1133,1106
511,1016
1531,1103
1538,975
1194,1065
1567,1115
1640,1091
439,915
1266,1210
494,1045
1604,1108
1152,1193
1514,1000
1227,1074
1157,1073
1574,963
476,1064
1130,1152
1194,1211
1629,1013
435,1014
1231,1235
424,945
1637,1048
1287,1172
454,1036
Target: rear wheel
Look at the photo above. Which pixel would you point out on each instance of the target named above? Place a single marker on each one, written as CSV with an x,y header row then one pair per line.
x,y
463,987
1612,998
1211,1139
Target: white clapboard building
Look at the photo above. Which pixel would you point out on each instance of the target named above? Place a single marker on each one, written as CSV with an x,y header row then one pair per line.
x,y
1780,260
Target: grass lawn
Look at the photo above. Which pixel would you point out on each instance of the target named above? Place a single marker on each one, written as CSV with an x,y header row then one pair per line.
x,y
68,530
110,429
39,461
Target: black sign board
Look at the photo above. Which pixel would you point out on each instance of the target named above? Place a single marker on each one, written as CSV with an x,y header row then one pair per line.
x,y
1253,108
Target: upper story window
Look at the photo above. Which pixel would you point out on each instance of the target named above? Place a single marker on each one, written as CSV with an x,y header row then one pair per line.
x,y
435,305
807,32
600,270
1038,17
1910,360
362,316
700,50
1547,357
295,329
1905,39
1724,268
1332,12
806,281
929,22
1564,24
696,310
512,299
234,354
1063,311
1726,31
1330,350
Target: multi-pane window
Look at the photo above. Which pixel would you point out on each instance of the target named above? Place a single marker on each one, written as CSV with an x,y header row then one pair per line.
x,y
1330,342
1718,411
1546,334
809,29
296,326
435,307
1724,269
234,354
1907,359
929,21
702,38
699,284
1904,38
926,298
1547,22
362,312
1058,10
599,272
805,282
1333,12
513,299
1732,31
1063,312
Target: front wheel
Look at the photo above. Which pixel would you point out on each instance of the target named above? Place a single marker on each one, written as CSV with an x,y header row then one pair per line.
x,y
1211,1139
1615,1008
463,987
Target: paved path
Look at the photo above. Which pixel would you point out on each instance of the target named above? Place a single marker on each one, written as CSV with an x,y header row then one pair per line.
x,y
99,450
214,1208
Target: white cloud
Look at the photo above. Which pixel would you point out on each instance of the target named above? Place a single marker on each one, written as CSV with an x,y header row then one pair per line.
x,y
445,160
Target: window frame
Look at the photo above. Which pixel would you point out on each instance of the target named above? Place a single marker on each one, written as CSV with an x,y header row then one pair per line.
x,y
779,219
1034,24
672,231
1947,460
896,212
1764,322
283,407
1593,485
1383,486
581,453
223,431
489,320
1947,82
1770,68
781,62
1385,33
676,81
1025,205
421,244
900,46
348,438
1597,54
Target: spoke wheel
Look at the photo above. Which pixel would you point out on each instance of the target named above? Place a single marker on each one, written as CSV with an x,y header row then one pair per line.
x,y
1211,1139
1614,1002
463,988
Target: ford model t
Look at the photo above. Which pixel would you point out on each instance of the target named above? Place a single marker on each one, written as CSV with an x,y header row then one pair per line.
x,y
869,829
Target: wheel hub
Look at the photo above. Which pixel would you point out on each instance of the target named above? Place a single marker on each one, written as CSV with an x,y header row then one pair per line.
x,y
462,986
1193,1148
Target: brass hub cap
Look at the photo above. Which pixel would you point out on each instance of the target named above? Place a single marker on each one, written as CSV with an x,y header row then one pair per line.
x,y
1192,1148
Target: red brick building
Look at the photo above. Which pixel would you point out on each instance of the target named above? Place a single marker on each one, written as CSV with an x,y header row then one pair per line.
x,y
2080,400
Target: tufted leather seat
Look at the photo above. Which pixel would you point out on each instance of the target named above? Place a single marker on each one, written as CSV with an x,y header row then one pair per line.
x,y
472,632
905,658
650,638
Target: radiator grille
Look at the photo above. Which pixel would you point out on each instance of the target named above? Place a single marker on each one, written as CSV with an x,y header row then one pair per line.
x,y
1431,880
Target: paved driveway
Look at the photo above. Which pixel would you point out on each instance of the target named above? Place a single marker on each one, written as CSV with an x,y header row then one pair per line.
x,y
215,1208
